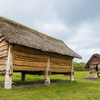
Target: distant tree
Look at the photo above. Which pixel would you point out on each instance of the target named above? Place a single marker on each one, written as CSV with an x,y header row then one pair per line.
x,y
79,66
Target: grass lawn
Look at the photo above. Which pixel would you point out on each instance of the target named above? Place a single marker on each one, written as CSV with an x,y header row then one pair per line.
x,y
60,89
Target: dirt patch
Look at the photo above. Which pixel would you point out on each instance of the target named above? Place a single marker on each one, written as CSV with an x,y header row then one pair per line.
x,y
23,84
2,78
89,79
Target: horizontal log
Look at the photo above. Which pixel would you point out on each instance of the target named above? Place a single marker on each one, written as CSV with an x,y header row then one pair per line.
x,y
61,60
3,52
5,47
31,60
60,64
3,43
57,66
60,70
28,68
3,61
3,67
1,39
26,58
3,55
29,54
3,58
29,50
24,63
59,56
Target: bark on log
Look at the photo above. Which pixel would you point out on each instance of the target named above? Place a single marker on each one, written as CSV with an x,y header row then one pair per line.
x,y
9,69
47,73
72,73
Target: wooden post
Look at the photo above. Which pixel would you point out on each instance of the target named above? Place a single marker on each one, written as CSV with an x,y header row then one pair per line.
x,y
72,73
22,76
47,73
9,69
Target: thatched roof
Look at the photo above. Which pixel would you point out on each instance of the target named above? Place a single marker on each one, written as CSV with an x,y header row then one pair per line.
x,y
16,33
92,57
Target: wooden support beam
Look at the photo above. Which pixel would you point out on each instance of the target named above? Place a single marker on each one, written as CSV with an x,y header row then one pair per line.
x,y
22,76
47,73
9,69
72,73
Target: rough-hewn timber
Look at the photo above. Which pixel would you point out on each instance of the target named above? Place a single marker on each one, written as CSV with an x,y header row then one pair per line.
x,y
47,72
9,69
3,54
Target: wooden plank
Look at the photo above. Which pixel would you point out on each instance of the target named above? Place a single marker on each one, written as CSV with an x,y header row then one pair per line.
x,y
3,43
25,54
57,56
3,58
60,70
3,55
16,65
61,64
2,67
3,62
3,52
30,59
29,50
1,39
23,63
57,66
5,47
27,68
9,70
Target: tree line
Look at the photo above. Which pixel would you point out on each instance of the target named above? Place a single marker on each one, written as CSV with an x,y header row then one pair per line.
x,y
79,66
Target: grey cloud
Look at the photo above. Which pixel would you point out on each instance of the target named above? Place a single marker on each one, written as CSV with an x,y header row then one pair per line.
x,y
74,12
76,22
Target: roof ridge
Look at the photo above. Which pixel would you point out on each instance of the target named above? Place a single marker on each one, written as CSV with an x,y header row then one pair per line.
x,y
24,26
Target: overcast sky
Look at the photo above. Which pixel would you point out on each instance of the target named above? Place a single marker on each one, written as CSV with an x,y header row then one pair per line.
x,y
76,22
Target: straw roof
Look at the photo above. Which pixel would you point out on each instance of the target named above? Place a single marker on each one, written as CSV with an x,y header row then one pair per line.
x,y
15,33
92,57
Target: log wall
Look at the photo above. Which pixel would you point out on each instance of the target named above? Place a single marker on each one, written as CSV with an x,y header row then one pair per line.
x,y
3,53
60,63
27,59
95,62
92,68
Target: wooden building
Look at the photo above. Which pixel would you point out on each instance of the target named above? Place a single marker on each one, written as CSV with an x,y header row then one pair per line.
x,y
28,51
93,64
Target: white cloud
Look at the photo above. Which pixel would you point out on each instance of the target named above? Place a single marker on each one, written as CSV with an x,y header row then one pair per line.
x,y
77,22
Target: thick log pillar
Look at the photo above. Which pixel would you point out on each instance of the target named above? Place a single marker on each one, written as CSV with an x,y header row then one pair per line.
x,y
72,73
22,76
47,73
9,69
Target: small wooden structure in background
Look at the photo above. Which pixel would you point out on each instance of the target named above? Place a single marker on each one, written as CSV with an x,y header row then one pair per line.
x,y
94,66
30,52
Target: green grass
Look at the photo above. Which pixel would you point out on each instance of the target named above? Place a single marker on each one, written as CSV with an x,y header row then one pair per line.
x,y
60,89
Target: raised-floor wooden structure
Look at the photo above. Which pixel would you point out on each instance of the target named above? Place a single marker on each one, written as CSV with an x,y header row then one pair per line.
x,y
30,52
93,64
